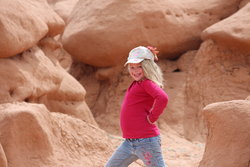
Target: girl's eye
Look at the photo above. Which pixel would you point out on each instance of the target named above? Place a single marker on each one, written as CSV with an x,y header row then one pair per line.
x,y
132,67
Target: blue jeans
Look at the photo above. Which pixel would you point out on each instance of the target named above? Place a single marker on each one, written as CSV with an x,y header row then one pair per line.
x,y
146,149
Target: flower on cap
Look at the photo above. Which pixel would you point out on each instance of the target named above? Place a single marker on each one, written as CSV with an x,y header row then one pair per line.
x,y
154,51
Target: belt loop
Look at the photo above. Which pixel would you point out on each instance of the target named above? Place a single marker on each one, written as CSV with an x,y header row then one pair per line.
x,y
131,140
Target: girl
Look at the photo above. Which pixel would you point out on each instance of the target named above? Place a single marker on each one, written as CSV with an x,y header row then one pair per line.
x,y
143,103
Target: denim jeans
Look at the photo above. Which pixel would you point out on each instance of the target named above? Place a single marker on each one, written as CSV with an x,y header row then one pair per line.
x,y
146,149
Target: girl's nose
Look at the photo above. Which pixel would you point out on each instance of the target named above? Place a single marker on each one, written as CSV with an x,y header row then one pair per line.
x,y
137,70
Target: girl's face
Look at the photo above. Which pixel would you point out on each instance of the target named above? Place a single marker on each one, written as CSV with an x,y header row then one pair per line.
x,y
136,71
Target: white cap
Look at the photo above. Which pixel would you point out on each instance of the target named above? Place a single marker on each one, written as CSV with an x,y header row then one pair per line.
x,y
139,54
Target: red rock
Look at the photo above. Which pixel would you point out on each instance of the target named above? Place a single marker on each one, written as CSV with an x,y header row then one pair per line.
x,y
101,33
24,23
228,137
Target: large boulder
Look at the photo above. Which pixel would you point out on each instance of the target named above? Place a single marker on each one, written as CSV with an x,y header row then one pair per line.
x,y
54,51
232,32
101,33
31,136
33,77
228,137
28,76
24,23
216,74
63,7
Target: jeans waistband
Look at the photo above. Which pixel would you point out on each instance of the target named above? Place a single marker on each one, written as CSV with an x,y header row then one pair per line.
x,y
133,139
143,139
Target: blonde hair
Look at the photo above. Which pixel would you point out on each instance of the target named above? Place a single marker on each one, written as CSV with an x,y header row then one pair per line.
x,y
153,72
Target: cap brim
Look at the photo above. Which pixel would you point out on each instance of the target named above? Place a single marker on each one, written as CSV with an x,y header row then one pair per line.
x,y
133,61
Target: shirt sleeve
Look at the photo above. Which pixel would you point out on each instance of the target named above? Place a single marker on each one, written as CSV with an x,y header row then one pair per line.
x,y
160,100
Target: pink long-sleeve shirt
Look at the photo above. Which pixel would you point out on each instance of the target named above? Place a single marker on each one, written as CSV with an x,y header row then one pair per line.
x,y
143,99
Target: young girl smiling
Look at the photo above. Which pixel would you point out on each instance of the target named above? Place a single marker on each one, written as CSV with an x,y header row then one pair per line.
x,y
143,103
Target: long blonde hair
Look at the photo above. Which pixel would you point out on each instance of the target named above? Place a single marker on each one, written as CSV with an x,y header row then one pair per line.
x,y
153,72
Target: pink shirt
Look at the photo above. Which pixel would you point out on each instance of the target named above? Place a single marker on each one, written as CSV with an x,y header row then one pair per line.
x,y
142,99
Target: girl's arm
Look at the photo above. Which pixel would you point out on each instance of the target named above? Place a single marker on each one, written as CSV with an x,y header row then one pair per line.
x,y
160,100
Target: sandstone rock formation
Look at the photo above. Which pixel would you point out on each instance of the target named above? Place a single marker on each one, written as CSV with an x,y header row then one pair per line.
x,y
36,79
54,51
56,84
32,136
3,159
228,141
220,69
233,32
101,33
28,76
63,7
24,23
243,3
217,74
